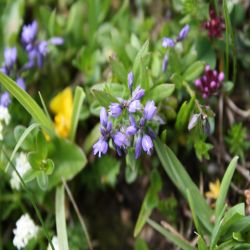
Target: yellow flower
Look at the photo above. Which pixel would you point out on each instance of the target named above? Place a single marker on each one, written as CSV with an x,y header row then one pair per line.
x,y
214,190
62,106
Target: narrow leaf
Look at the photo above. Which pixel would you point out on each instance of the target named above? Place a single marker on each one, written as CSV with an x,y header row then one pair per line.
x,y
180,242
225,186
78,100
27,102
182,180
61,228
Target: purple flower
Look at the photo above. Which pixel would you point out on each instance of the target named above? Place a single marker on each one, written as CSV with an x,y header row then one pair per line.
x,y
147,144
56,40
4,70
120,140
131,130
29,33
164,63
183,33
43,48
210,83
130,80
134,106
138,93
132,120
149,110
100,147
20,82
167,42
5,99
103,117
10,56
138,147
115,109
193,121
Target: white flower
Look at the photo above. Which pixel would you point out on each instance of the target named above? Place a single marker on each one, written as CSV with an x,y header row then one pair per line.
x,y
4,115
25,230
22,167
55,243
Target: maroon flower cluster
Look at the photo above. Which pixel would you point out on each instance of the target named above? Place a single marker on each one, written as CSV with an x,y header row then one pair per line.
x,y
210,82
215,26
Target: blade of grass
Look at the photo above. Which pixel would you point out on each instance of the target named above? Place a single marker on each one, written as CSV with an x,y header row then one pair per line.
x,y
175,238
195,218
225,186
78,100
182,180
61,219
27,102
83,225
44,106
32,199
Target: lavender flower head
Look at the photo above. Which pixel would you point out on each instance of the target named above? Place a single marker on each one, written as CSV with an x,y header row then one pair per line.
x,y
130,80
147,144
10,56
36,50
29,33
167,42
5,99
150,110
183,33
130,126
101,147
210,83
115,109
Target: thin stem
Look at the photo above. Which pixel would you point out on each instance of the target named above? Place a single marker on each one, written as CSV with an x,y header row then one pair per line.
x,y
78,213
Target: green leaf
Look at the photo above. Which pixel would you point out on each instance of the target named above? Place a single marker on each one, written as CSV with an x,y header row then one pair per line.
x,y
195,219
27,102
183,115
138,60
225,186
140,244
77,105
193,71
34,159
160,92
42,180
119,71
61,228
176,239
201,243
12,20
182,180
149,203
68,159
104,98
29,143
41,145
21,140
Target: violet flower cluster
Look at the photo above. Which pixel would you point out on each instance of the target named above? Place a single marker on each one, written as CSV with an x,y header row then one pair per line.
x,y
169,42
127,123
210,83
36,51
